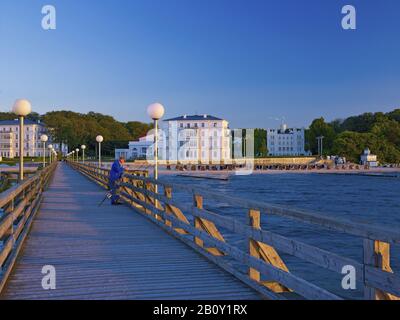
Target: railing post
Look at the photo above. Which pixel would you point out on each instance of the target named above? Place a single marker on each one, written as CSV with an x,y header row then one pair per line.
x,y
377,255
167,194
198,203
255,222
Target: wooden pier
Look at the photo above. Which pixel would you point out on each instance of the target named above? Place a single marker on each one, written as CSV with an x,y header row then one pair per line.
x,y
109,253
159,247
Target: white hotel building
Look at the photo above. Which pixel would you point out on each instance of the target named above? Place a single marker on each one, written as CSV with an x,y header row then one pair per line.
x,y
9,139
196,139
199,139
286,141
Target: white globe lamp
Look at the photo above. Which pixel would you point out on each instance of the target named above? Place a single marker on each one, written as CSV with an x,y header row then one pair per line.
x,y
83,147
156,112
21,108
44,138
99,140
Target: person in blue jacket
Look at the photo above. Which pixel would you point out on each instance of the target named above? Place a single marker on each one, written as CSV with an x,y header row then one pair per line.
x,y
117,170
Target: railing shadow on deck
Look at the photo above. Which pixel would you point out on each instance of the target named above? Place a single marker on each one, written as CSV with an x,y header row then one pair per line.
x,y
18,207
266,271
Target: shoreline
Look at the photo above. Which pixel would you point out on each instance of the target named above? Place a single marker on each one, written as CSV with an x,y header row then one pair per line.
x,y
379,172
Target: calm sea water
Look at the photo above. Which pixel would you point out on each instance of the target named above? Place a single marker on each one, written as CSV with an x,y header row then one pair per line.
x,y
374,200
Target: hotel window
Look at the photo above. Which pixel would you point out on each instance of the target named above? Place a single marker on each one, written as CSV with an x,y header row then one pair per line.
x,y
181,125
215,124
203,125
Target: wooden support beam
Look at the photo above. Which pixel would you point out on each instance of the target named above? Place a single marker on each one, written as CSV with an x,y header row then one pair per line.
x,y
264,252
254,221
208,226
377,254
169,209
198,203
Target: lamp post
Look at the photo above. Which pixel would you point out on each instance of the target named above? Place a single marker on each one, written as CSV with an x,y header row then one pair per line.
x,y
77,154
73,156
50,152
320,144
83,147
21,108
156,112
99,140
44,139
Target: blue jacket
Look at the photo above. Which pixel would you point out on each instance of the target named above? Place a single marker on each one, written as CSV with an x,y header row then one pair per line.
x,y
116,171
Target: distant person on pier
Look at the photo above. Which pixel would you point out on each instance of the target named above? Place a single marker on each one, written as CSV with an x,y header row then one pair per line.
x,y
116,172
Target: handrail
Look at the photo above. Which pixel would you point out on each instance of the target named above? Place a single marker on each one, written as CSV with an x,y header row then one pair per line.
x,y
18,207
198,227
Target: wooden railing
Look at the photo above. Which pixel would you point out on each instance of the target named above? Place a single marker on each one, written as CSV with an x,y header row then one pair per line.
x,y
18,207
266,272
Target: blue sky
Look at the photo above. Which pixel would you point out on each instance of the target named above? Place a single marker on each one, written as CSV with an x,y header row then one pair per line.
x,y
249,61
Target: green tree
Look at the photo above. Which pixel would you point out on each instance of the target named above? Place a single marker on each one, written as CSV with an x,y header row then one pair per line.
x,y
351,145
320,128
260,143
138,129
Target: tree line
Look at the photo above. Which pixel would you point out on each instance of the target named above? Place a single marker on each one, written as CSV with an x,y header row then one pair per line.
x,y
380,132
75,129
345,137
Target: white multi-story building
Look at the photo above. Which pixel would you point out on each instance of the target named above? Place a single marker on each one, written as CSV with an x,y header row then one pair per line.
x,y
9,139
200,139
196,139
286,141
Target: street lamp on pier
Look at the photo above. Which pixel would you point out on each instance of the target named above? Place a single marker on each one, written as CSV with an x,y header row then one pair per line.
x,y
99,140
21,108
44,139
77,154
83,147
73,156
156,112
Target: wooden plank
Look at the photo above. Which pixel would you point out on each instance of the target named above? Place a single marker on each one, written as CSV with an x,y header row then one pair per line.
x,y
295,248
300,286
5,225
377,255
386,282
207,226
387,234
267,253
107,253
254,221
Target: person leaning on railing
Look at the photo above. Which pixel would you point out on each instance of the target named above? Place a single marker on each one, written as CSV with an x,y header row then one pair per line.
x,y
116,172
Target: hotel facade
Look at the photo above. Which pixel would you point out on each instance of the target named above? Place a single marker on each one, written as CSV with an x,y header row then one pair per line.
x,y
197,139
286,141
33,146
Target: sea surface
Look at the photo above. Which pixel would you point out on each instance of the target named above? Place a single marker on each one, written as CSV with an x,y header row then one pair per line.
x,y
374,200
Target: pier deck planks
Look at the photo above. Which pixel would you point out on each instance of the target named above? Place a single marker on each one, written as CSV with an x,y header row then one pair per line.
x,y
110,253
